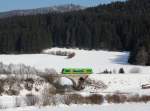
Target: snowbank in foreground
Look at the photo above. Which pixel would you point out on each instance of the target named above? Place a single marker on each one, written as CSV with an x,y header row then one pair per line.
x,y
107,107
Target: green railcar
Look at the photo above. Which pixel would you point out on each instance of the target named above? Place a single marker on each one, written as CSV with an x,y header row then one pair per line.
x,y
77,71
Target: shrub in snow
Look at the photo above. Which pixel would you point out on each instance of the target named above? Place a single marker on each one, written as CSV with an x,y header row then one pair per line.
x,y
116,98
18,69
71,55
46,94
72,99
31,100
51,78
59,52
145,98
50,75
1,86
45,97
121,98
79,99
11,86
23,71
29,84
18,102
50,71
106,71
2,68
13,92
133,98
135,70
95,99
121,71
137,98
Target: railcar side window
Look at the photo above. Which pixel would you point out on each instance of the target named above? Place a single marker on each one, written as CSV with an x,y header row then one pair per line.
x,y
67,70
89,70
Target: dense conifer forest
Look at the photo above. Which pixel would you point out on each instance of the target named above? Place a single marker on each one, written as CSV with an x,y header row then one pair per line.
x,y
118,26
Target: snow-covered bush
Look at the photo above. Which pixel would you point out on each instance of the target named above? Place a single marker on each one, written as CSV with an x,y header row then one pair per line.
x,y
134,98
145,98
71,55
4,69
95,99
18,102
121,71
121,98
17,69
106,71
1,86
11,86
50,75
79,99
72,99
47,92
31,100
24,71
116,98
28,84
50,71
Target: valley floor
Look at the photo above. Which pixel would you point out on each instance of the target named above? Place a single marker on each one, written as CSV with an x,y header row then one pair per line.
x,y
97,60
129,83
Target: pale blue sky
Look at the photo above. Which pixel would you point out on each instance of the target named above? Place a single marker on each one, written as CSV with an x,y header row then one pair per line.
x,y
6,5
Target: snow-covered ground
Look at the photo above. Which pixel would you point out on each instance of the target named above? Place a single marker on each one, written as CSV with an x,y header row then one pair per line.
x,y
98,60
107,107
125,83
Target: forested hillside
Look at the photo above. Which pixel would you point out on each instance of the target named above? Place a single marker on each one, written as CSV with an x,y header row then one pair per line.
x,y
116,26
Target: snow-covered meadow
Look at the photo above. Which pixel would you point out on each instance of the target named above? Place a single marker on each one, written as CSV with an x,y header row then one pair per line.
x,y
124,83
128,83
97,60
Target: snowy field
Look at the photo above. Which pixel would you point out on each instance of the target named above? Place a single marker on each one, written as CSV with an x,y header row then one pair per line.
x,y
127,83
98,60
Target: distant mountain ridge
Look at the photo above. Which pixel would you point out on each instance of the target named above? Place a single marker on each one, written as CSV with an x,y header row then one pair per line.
x,y
45,10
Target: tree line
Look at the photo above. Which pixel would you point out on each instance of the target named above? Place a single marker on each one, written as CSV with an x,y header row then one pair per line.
x,y
118,26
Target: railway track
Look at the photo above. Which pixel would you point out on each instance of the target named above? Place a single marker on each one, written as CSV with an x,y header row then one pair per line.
x,y
69,75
